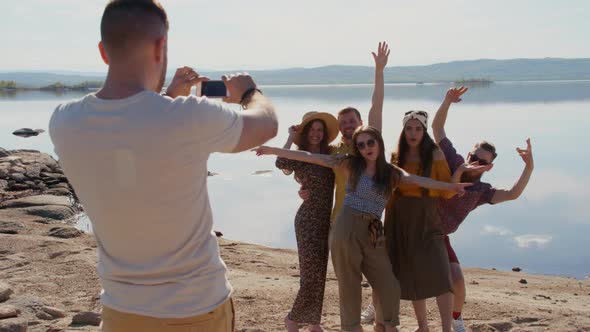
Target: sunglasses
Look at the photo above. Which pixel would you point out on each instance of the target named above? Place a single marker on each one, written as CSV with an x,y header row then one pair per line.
x,y
481,162
370,143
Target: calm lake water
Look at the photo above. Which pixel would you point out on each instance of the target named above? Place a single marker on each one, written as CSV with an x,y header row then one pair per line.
x,y
545,231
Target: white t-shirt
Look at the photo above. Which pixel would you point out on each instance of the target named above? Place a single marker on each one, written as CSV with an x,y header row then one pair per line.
x,y
139,167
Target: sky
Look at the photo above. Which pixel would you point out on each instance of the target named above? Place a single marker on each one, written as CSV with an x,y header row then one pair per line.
x,y
62,35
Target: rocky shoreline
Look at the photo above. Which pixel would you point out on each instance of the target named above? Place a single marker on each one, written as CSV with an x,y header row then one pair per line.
x,y
48,279
37,210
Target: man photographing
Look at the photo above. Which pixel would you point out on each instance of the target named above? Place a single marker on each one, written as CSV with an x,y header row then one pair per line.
x,y
138,162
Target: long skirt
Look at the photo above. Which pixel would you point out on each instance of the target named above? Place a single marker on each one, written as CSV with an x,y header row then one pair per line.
x,y
416,247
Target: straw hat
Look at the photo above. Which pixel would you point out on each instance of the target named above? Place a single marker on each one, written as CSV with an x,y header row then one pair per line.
x,y
331,130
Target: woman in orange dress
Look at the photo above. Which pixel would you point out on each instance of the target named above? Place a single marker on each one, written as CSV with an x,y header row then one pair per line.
x,y
413,231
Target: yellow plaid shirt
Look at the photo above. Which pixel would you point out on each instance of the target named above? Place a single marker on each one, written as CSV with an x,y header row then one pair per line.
x,y
341,179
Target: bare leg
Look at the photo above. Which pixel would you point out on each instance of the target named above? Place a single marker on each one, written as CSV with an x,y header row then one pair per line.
x,y
445,307
421,315
315,328
291,325
458,287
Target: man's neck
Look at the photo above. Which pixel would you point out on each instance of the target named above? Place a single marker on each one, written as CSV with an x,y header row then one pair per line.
x,y
122,84
347,141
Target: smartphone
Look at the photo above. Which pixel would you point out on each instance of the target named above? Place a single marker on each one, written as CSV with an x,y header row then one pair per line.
x,y
212,88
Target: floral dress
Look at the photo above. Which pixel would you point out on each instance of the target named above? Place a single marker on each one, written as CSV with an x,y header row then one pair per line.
x,y
312,226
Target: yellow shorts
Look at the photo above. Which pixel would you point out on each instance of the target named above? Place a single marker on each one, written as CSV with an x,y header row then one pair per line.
x,y
222,319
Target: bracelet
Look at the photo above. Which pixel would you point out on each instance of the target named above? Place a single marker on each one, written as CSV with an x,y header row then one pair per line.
x,y
248,94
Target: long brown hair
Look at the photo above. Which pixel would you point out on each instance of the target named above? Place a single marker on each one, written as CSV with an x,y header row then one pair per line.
x,y
386,176
324,144
427,148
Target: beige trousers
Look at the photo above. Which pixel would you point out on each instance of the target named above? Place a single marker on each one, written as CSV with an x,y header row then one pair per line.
x,y
219,320
352,256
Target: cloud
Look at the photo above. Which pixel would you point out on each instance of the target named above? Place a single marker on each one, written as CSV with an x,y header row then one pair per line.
x,y
524,241
533,240
492,230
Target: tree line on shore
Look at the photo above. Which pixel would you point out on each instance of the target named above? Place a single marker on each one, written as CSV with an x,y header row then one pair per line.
x,y
57,86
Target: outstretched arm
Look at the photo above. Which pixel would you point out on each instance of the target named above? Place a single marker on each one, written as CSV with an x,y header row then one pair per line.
x,y
474,166
503,195
429,183
376,111
325,160
438,124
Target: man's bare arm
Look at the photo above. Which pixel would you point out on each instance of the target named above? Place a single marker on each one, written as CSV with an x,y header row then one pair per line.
x,y
259,118
503,195
440,118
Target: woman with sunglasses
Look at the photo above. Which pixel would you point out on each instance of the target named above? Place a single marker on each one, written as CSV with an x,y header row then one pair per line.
x,y
312,221
414,235
357,241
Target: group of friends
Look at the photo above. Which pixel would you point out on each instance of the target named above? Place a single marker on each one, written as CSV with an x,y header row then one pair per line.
x,y
159,261
426,189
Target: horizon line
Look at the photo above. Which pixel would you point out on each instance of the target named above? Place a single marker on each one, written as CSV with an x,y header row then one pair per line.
x,y
70,72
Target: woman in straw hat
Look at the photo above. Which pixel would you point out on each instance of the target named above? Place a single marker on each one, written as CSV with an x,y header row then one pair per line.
x,y
312,221
358,242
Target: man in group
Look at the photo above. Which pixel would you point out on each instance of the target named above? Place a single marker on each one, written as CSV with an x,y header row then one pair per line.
x,y
138,162
349,119
454,211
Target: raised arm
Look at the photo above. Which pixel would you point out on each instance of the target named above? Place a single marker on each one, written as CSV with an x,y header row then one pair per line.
x,y
325,160
376,111
503,195
259,119
292,132
438,124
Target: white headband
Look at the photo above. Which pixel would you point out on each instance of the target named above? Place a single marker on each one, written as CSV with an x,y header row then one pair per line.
x,y
421,116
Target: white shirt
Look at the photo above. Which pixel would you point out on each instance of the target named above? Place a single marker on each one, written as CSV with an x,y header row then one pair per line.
x,y
139,168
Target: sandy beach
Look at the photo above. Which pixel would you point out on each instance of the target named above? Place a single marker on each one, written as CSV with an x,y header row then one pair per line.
x,y
60,273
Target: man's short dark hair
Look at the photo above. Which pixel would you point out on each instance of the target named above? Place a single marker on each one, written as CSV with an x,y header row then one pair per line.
x,y
127,21
349,110
487,146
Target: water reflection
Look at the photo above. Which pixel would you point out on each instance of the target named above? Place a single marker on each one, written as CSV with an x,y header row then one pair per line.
x,y
498,92
26,95
7,94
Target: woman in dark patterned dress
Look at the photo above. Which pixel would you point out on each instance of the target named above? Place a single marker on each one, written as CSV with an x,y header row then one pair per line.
x,y
312,221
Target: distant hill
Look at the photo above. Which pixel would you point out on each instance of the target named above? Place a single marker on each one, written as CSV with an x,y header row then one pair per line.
x,y
487,69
